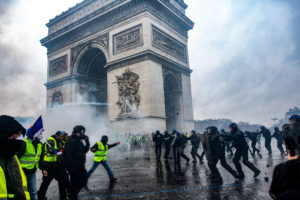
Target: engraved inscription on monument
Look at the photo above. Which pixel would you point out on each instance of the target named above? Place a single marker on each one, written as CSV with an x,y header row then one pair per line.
x,y
58,66
167,43
128,90
128,39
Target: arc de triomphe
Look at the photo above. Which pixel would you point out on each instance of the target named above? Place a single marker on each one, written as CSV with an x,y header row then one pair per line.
x,y
130,54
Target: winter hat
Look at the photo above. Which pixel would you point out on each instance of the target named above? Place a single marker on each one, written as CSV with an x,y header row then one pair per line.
x,y
9,126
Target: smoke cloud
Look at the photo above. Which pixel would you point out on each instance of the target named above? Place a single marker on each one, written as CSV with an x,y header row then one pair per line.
x,y
246,59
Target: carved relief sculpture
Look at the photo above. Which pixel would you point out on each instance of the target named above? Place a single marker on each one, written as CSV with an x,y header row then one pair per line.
x,y
57,99
58,66
128,91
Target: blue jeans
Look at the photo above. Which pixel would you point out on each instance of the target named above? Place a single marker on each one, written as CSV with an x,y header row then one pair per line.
x,y
32,186
105,165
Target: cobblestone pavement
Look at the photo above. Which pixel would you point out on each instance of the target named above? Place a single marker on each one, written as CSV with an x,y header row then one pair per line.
x,y
141,177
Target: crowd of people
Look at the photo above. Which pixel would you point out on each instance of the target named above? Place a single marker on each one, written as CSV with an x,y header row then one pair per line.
x,y
63,157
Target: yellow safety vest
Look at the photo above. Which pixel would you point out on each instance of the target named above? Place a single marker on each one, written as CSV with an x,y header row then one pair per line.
x,y
100,154
50,157
3,189
31,157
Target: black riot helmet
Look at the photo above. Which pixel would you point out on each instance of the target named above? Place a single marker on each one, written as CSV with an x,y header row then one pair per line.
x,y
233,127
193,132
276,129
157,132
104,139
166,133
212,130
78,129
295,117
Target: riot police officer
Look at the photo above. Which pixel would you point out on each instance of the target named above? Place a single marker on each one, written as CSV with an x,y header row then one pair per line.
x,y
167,141
267,135
195,141
239,142
291,135
158,139
278,136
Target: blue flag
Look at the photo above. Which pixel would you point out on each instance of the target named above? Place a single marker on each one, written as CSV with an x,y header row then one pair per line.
x,y
36,129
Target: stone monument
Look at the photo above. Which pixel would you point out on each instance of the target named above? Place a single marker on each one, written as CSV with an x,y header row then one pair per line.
x,y
130,54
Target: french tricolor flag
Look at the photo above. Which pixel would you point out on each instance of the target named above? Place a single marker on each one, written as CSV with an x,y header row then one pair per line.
x,y
36,129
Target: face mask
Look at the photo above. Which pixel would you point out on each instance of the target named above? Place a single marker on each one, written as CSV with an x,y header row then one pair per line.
x,y
9,147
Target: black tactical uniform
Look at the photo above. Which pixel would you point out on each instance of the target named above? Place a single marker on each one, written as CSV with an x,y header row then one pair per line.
x,y
227,143
167,141
74,158
180,143
195,141
241,146
158,138
278,136
267,135
253,137
291,135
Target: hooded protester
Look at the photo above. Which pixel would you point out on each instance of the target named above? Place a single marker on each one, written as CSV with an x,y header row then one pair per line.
x,y
13,182
100,151
74,158
30,154
286,176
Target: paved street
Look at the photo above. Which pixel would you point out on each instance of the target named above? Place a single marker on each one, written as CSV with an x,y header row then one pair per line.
x,y
141,177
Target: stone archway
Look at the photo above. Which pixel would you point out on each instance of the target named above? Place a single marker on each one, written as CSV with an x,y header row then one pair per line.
x,y
173,109
92,75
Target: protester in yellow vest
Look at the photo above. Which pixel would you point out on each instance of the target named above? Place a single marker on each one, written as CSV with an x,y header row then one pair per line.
x,y
51,168
13,183
100,150
30,154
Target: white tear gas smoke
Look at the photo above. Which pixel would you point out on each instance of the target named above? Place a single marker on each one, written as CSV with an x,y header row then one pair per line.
x,y
65,117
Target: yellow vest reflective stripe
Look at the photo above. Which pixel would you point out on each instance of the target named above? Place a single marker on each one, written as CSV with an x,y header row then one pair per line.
x,y
100,154
31,157
50,157
3,188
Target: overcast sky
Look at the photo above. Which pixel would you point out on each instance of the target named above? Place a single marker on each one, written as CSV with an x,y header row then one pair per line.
x,y
245,56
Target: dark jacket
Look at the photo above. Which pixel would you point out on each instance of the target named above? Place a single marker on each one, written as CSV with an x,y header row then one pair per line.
x,y
180,141
195,140
267,135
291,137
217,147
278,136
168,139
158,138
74,154
286,176
238,139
